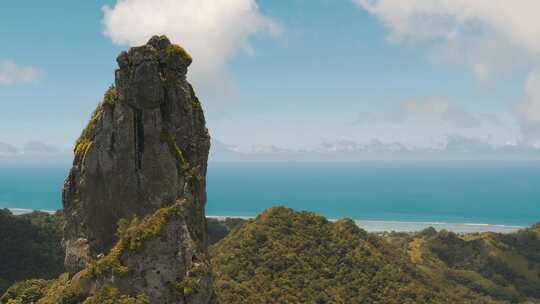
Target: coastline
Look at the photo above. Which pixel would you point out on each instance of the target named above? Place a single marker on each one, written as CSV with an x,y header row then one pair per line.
x,y
377,226
21,211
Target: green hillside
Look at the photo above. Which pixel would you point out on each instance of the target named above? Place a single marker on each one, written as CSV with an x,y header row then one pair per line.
x,y
504,266
285,256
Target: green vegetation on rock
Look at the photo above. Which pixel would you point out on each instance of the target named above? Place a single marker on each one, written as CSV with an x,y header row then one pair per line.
x,y
169,139
195,102
219,229
110,295
66,290
21,263
132,237
300,257
111,96
86,140
176,50
138,232
26,292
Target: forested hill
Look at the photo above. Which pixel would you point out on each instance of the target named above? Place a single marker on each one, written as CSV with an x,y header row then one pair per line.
x,y
300,257
284,256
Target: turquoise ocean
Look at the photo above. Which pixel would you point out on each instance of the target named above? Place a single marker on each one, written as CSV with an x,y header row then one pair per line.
x,y
457,195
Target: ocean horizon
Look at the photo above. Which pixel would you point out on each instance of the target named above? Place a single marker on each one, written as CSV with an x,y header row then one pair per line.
x,y
459,196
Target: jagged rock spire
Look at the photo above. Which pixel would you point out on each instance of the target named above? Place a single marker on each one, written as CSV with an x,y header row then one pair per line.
x,y
145,148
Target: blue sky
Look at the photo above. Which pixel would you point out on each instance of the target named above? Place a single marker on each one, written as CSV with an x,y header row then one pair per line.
x,y
298,74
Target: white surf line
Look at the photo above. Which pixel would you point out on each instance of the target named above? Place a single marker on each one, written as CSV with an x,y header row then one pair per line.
x,y
409,226
370,225
21,211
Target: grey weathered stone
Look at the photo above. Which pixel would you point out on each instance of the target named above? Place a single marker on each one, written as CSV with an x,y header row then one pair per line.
x,y
145,148
168,268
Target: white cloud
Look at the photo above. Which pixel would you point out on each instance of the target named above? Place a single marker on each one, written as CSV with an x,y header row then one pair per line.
x,y
211,30
490,37
269,149
351,146
432,110
452,146
11,73
517,21
484,34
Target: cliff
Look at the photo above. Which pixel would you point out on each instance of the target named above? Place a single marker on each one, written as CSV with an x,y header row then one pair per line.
x,y
135,230
145,147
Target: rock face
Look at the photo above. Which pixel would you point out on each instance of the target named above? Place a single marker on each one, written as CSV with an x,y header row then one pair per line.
x,y
144,150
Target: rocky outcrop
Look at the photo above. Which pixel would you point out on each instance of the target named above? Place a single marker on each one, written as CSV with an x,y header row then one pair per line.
x,y
134,199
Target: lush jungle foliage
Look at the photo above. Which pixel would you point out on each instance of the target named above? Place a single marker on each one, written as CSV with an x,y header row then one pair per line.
x,y
219,229
298,257
284,256
503,266
30,247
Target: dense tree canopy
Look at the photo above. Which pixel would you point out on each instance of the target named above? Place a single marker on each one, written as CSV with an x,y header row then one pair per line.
x,y
285,256
31,247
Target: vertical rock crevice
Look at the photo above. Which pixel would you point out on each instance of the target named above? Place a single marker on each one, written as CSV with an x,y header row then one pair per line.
x,y
138,129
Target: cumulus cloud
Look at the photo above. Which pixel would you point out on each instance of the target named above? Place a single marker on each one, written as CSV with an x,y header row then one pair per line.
x,y
490,37
435,110
12,73
484,34
213,31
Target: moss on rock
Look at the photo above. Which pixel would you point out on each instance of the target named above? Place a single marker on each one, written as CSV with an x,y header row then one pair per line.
x,y
176,50
191,284
169,139
110,295
111,96
195,102
86,140
139,232
29,291
132,237
66,290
